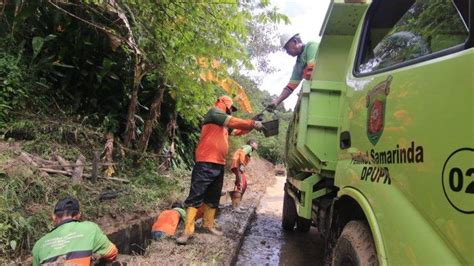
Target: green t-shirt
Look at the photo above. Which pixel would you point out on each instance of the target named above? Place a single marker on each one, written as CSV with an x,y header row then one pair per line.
x,y
306,58
247,149
71,239
216,116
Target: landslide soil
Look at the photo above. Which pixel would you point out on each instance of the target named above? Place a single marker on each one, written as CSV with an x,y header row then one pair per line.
x,y
209,249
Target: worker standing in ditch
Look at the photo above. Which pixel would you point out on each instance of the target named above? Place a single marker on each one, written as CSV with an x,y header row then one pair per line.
x,y
72,242
208,172
305,62
239,161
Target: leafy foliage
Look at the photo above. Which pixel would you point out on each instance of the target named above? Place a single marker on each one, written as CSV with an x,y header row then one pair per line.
x,y
14,85
271,148
71,70
83,64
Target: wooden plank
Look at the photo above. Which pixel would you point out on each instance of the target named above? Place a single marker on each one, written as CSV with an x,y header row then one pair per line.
x,y
55,171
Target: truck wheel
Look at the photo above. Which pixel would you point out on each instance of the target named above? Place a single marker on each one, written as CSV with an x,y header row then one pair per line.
x,y
289,215
355,246
302,224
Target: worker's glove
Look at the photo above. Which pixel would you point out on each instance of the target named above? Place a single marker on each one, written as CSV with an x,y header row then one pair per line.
x,y
95,257
241,168
258,117
271,107
258,125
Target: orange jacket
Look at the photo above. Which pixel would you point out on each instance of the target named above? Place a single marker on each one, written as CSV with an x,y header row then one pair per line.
x,y
213,144
167,222
241,157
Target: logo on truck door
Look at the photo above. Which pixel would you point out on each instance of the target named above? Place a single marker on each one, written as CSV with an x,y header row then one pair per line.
x,y
376,102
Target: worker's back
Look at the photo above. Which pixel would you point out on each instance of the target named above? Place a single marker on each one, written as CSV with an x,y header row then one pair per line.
x,y
167,222
73,242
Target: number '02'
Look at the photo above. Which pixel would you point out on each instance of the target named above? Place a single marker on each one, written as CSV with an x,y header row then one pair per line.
x,y
456,180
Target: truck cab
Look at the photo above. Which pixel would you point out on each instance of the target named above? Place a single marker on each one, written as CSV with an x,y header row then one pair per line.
x,y
380,151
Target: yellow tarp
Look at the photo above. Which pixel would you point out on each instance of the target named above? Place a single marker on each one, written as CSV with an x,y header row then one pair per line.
x,y
228,85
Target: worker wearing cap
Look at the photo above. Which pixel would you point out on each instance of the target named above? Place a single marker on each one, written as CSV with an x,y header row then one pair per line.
x,y
239,161
305,62
208,172
72,242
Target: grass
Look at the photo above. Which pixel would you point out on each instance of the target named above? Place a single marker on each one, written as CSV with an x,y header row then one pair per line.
x,y
27,199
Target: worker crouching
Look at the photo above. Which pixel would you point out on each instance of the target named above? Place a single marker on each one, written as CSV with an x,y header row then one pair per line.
x,y
207,176
239,161
71,241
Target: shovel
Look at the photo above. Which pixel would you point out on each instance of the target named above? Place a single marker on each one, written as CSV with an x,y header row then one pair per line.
x,y
270,128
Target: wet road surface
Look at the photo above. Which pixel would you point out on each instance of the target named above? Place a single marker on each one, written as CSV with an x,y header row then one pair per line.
x,y
267,244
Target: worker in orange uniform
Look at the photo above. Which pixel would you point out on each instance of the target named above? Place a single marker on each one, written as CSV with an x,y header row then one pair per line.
x,y
167,222
207,176
240,159
72,242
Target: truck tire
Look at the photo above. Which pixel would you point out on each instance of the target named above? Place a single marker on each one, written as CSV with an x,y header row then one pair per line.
x,y
289,215
302,224
355,246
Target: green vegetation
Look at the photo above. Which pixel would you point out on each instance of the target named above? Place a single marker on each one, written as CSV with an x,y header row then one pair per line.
x,y
26,201
72,72
271,148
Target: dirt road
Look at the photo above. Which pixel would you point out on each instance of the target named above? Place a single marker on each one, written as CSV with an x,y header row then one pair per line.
x,y
251,238
210,249
267,244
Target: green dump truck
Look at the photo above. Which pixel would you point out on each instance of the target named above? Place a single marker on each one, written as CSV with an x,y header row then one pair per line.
x,y
380,151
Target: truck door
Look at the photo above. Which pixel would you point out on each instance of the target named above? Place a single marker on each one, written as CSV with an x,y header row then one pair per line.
x,y
410,115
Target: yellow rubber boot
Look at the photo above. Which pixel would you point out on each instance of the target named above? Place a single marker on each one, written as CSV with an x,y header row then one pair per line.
x,y
208,221
188,226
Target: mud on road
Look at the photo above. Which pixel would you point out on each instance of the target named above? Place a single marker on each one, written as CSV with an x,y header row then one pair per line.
x,y
266,243
210,249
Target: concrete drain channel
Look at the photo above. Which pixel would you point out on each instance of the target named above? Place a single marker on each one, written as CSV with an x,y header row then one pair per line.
x,y
134,238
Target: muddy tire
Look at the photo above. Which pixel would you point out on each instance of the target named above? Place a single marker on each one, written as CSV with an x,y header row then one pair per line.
x,y
289,215
355,246
302,224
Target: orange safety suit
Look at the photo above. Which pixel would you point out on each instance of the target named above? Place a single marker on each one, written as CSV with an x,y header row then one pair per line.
x,y
213,145
240,159
168,220
208,172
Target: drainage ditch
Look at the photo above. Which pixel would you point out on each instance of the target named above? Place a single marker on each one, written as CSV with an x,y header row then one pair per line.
x,y
134,238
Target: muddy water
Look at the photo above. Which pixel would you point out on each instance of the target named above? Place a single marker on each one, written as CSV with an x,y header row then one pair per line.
x,y
267,244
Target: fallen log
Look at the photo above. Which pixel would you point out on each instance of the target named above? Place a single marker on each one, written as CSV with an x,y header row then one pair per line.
x,y
26,158
42,162
75,165
55,171
65,164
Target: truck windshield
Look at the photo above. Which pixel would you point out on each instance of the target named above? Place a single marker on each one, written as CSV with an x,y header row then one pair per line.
x,y
426,27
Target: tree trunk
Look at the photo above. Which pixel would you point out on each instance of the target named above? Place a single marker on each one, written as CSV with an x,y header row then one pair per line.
x,y
79,169
152,118
113,6
130,128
